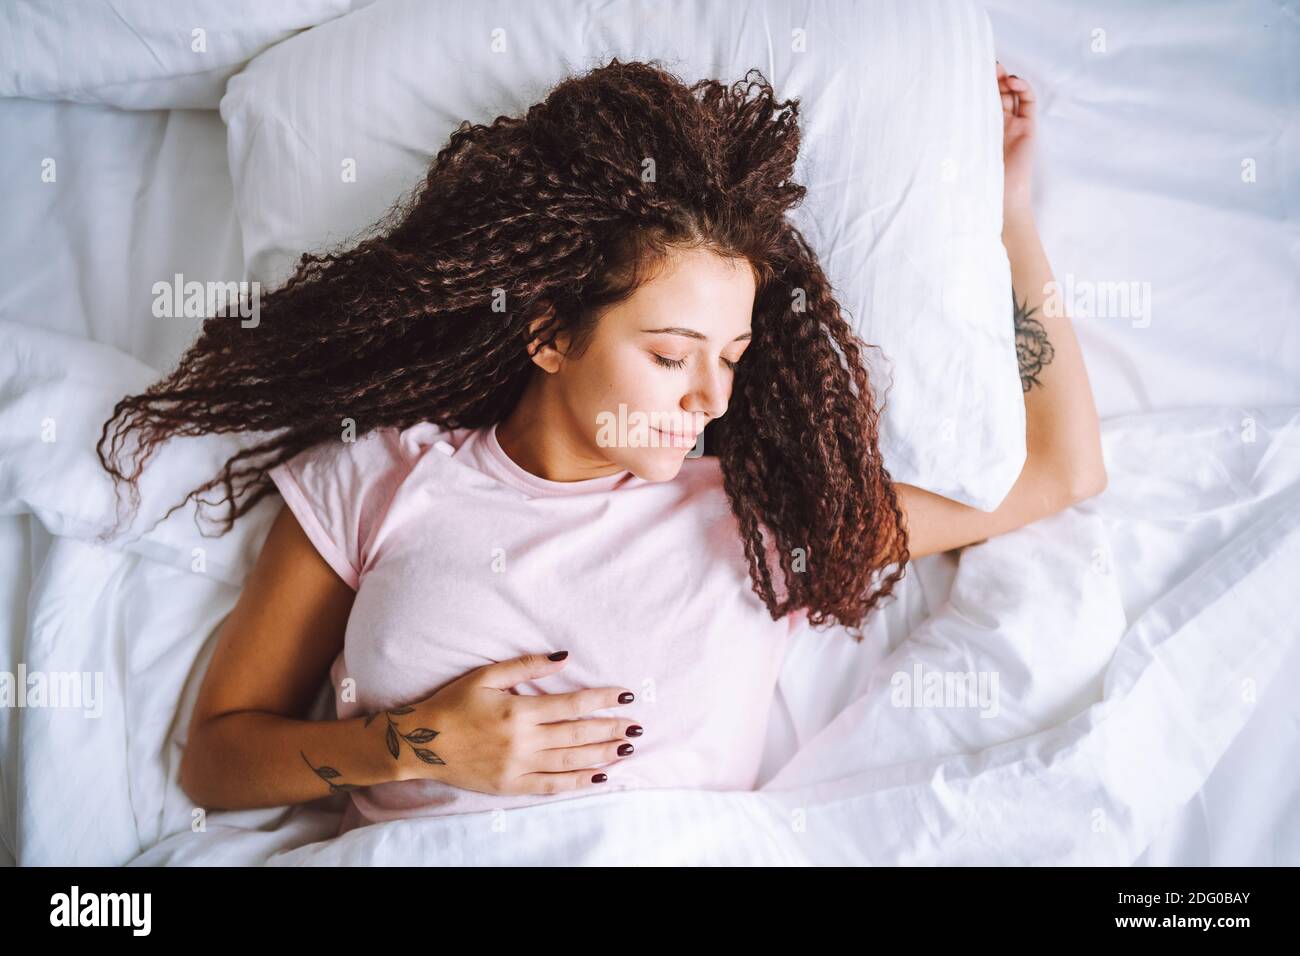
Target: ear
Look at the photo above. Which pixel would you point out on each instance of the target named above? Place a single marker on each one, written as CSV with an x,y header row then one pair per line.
x,y
546,357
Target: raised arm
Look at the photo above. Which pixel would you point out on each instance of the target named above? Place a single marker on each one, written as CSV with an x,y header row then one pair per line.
x,y
1063,463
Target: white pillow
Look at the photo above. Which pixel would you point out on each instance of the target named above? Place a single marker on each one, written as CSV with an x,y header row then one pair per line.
x,y
56,393
142,54
901,154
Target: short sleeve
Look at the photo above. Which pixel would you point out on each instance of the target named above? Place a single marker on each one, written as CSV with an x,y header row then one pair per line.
x,y
340,492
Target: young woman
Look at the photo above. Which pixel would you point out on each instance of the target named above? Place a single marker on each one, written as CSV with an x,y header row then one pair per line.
x,y
481,421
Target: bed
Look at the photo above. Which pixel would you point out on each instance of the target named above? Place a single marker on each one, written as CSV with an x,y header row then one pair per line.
x,y
1145,641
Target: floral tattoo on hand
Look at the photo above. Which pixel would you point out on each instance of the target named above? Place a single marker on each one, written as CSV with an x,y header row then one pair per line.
x,y
421,735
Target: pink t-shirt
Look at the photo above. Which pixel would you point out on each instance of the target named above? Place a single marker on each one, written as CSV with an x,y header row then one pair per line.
x,y
460,558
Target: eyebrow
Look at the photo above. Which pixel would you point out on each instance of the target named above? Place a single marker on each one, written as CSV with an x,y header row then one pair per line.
x,y
689,333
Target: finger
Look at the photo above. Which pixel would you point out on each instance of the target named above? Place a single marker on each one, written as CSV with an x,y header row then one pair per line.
x,y
590,757
1025,95
1002,70
505,674
589,730
550,707
1009,103
548,783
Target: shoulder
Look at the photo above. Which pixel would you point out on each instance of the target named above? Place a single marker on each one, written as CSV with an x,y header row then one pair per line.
x,y
341,488
698,484
705,474
414,442
378,450
357,476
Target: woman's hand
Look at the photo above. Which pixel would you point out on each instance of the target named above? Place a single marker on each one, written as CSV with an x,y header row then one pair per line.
x,y
476,734
1019,126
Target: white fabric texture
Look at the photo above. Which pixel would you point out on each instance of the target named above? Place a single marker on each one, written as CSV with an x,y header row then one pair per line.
x,y
1100,727
1169,158
901,154
142,54
136,198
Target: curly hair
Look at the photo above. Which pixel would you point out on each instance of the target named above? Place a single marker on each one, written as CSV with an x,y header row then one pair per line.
x,y
565,209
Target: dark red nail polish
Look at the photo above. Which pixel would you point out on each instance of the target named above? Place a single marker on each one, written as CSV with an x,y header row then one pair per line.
x,y
557,656
626,697
599,778
634,730
625,749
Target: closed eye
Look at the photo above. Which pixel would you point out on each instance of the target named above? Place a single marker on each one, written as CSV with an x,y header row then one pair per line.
x,y
679,363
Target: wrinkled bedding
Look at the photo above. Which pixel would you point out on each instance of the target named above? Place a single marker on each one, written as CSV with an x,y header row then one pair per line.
x,y
1118,667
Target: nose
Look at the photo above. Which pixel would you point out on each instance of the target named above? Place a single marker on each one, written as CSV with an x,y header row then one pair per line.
x,y
710,392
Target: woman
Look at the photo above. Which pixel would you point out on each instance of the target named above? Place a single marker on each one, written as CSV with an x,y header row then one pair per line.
x,y
482,418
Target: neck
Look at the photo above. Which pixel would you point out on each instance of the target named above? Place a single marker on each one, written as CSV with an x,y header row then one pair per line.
x,y
541,437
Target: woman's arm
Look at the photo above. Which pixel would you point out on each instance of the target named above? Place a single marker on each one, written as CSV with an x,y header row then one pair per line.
x,y
1063,463
248,745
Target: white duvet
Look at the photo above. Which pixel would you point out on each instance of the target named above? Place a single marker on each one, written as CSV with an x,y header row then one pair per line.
x,y
1119,648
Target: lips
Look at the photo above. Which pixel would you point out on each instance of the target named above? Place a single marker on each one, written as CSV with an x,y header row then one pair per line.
x,y
678,437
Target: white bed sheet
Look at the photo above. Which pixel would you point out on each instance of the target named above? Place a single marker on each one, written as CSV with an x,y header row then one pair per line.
x,y
1106,724
1140,179
1144,128
138,196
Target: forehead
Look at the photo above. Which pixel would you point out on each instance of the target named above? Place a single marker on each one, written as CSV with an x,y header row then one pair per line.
x,y
696,288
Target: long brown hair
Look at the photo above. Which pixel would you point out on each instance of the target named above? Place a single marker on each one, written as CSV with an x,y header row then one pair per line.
x,y
566,208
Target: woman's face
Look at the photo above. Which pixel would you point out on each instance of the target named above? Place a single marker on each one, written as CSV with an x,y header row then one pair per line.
x,y
657,369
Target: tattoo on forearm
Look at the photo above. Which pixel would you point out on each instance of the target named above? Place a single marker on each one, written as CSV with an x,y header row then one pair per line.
x,y
1033,350
329,775
421,735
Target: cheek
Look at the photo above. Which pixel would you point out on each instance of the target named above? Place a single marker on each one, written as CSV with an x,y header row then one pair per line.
x,y
630,376
598,383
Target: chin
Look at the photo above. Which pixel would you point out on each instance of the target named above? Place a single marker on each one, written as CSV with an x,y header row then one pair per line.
x,y
657,464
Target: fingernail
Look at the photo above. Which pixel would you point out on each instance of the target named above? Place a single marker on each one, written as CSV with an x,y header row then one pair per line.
x,y
626,697
625,749
557,656
599,778
634,730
